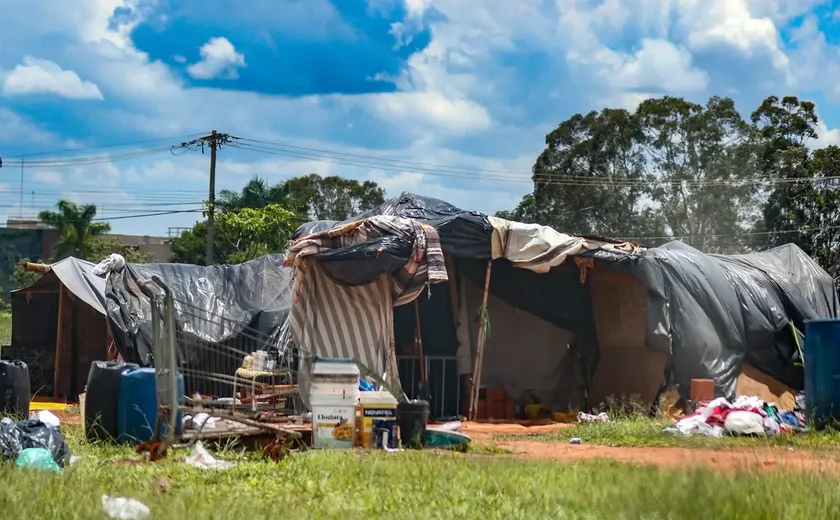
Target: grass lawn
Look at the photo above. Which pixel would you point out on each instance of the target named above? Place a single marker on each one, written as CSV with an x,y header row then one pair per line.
x,y
408,485
5,329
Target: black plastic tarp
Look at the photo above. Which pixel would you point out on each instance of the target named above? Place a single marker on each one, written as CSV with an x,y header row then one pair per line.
x,y
217,304
463,233
719,311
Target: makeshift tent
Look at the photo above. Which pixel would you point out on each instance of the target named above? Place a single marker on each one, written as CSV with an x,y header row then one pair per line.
x,y
230,304
618,320
59,327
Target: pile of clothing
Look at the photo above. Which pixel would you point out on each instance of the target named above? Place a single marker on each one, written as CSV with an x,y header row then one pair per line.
x,y
745,416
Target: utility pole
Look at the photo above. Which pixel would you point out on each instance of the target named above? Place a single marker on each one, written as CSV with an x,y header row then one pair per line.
x,y
215,141
211,206
21,186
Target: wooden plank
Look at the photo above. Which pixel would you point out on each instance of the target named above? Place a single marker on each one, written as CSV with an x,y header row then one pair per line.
x,y
479,355
58,335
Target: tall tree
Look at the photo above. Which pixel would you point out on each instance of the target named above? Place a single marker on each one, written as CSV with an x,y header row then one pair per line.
x,y
256,194
76,228
782,129
250,232
333,198
590,178
699,170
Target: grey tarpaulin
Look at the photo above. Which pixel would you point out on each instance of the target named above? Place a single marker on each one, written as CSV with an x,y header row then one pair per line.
x,y
721,311
213,304
710,312
78,278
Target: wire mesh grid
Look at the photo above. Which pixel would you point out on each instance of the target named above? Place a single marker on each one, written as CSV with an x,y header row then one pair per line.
x,y
249,371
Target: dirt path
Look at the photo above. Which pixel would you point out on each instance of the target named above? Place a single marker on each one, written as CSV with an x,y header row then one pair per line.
x,y
724,460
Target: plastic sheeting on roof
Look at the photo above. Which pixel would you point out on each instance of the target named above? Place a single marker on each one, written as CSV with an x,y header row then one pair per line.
x,y
77,277
712,313
213,305
716,312
539,248
463,233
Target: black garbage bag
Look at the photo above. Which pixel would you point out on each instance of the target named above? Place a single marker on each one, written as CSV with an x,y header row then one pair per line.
x,y
32,433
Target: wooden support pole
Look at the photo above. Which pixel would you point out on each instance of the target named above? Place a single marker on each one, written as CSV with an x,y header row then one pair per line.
x,y
36,268
419,342
479,347
58,334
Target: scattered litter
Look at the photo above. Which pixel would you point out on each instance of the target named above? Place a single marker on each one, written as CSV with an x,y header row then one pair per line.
x,y
697,425
451,426
201,458
31,433
746,415
121,508
74,459
741,422
585,417
37,458
574,440
163,484
46,417
199,421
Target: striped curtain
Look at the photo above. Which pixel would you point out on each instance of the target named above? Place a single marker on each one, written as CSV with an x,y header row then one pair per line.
x,y
336,321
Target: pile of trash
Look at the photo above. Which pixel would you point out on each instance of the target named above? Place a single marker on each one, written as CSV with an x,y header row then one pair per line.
x,y
42,433
746,415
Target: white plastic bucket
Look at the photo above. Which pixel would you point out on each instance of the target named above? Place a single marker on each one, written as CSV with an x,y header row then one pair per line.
x,y
333,423
335,379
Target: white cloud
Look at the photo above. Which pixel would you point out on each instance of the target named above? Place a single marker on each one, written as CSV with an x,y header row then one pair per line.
x,y
455,115
47,176
416,8
13,126
658,64
826,136
219,60
179,59
37,76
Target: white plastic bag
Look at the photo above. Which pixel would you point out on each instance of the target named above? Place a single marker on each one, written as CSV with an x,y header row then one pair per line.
x,y
585,417
742,422
201,458
121,508
114,262
46,417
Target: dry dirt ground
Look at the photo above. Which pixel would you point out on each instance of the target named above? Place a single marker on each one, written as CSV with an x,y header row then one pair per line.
x,y
725,460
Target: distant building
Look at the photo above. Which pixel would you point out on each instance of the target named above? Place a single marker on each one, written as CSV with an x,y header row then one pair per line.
x,y
159,247
38,240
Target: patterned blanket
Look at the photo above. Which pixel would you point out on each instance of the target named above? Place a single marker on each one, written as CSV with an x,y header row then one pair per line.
x,y
425,266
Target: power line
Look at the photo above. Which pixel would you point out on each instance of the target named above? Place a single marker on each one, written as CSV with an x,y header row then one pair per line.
x,y
394,165
734,235
86,161
138,215
111,145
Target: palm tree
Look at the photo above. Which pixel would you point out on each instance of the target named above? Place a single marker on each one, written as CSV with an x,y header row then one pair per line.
x,y
256,194
75,227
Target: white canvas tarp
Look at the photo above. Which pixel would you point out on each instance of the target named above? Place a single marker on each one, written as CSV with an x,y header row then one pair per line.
x,y
539,248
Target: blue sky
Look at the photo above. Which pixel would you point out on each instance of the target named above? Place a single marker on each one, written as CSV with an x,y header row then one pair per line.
x,y
467,84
